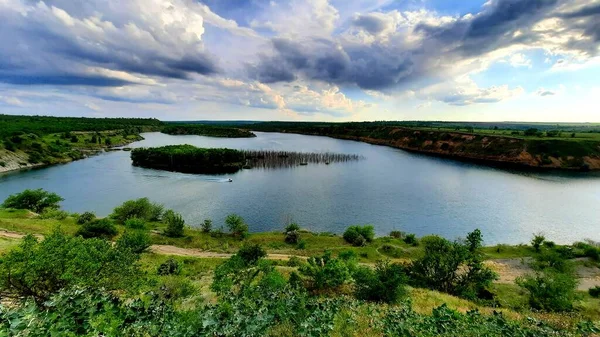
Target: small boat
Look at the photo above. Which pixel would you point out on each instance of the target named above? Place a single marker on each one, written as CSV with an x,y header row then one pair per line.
x,y
230,180
303,164
326,163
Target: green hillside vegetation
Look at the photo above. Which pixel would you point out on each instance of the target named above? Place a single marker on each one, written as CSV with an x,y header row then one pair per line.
x,y
206,130
570,146
188,158
267,285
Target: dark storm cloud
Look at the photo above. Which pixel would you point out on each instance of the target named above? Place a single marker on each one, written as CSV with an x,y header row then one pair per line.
x,y
392,63
65,43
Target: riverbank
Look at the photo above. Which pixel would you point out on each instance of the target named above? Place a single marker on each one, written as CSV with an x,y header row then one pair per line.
x,y
538,152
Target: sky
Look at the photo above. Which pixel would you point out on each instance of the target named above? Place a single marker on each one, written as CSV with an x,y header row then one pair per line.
x,y
321,60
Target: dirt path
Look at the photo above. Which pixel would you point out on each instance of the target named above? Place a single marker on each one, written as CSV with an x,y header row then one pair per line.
x,y
178,251
508,269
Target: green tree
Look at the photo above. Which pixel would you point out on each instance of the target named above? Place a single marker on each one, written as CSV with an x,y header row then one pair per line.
x,y
292,233
136,241
326,272
33,200
236,225
207,225
537,241
175,224
39,269
85,217
140,208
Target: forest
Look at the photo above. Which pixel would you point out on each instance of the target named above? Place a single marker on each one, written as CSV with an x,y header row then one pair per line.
x,y
144,271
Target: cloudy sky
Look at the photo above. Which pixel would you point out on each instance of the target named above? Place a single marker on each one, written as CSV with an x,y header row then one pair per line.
x,y
337,60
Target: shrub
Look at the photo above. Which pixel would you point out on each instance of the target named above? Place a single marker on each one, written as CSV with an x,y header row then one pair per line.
x,y
236,225
550,290
295,261
301,244
292,237
85,217
33,200
49,213
141,208
251,253
451,267
396,234
217,233
411,239
101,228
169,267
594,292
137,242
38,269
175,224
384,284
359,235
207,225
292,227
325,272
135,223
391,250
537,241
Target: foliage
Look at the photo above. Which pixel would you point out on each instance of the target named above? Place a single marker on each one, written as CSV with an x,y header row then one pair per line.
x,y
396,234
474,241
550,290
141,208
537,241
411,239
325,272
384,284
169,267
85,217
251,253
236,225
292,227
135,223
594,292
91,312
451,267
33,200
40,269
136,241
206,130
99,228
207,225
175,224
359,235
51,213
292,233
188,158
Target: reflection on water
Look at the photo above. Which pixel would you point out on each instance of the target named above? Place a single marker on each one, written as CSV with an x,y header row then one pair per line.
x,y
390,189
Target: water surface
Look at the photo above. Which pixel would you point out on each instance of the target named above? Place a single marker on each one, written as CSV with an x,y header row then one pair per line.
x,y
390,189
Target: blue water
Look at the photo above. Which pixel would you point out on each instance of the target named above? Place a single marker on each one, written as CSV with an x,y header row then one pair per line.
x,y
390,189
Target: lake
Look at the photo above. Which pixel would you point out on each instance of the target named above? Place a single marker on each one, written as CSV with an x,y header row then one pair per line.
x,y
390,188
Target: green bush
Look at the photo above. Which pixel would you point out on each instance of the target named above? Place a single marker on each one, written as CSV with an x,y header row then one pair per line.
x,y
85,217
100,228
141,208
136,241
301,245
396,234
175,224
236,225
207,226
50,213
359,235
292,227
451,267
251,253
594,292
295,261
325,272
411,239
537,241
384,284
39,269
169,267
135,223
33,200
550,290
